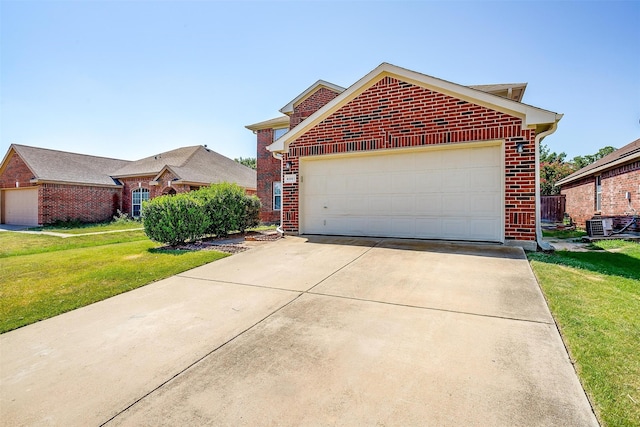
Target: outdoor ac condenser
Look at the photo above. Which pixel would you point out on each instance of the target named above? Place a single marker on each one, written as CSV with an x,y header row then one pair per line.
x,y
600,227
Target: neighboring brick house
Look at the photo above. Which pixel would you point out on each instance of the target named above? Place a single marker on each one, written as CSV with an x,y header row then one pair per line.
x,y
608,188
403,154
42,186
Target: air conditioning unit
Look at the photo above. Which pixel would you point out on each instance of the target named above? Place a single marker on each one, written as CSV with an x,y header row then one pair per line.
x,y
600,227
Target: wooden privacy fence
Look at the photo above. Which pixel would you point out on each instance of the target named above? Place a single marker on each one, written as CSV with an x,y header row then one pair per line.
x,y
552,207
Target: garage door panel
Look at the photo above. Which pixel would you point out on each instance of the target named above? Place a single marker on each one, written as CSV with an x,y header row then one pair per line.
x,y
483,228
457,228
403,227
428,181
483,179
484,204
403,205
429,228
455,180
436,193
484,158
455,204
429,204
403,182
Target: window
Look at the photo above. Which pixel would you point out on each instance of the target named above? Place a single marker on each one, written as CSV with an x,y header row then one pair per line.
x,y
138,196
277,196
598,193
277,133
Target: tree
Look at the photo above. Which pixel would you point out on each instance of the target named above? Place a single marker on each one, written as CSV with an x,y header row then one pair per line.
x,y
249,162
552,169
581,161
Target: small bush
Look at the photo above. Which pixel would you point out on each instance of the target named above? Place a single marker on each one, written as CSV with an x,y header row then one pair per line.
x,y
175,219
225,205
122,218
252,207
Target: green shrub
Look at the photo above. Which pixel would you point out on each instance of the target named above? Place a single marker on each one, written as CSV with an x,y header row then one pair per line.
x,y
226,207
251,218
175,219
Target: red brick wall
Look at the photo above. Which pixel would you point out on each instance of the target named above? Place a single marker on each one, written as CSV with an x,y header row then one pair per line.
x,y
15,170
268,172
62,202
134,183
310,105
393,114
581,195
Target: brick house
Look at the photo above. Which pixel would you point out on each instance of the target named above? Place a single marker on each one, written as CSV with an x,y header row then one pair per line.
x,y
608,188
404,154
42,186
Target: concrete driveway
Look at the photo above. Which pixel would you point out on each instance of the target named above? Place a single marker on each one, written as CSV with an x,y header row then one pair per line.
x,y
306,331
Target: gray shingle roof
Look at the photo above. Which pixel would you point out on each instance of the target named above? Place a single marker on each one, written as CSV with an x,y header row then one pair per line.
x,y
628,153
53,165
196,164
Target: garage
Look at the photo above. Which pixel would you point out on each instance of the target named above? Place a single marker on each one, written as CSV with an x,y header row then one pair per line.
x,y
20,206
452,192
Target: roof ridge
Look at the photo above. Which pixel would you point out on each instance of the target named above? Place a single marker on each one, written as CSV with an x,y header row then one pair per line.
x,y
69,152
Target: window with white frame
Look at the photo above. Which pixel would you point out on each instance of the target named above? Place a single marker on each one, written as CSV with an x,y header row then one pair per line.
x,y
138,196
598,193
277,133
277,196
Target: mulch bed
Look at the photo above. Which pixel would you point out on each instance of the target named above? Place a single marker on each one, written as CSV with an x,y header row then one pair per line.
x,y
231,244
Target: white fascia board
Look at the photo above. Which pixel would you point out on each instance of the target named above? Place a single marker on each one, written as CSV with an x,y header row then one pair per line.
x,y
531,116
288,109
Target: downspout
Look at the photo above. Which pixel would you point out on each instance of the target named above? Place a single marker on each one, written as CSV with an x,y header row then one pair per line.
x,y
279,157
539,137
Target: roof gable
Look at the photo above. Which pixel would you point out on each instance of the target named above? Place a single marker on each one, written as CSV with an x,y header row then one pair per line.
x,y
531,116
288,109
152,165
628,153
60,166
204,166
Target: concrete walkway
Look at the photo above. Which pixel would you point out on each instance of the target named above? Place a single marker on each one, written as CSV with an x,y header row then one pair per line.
x,y
306,331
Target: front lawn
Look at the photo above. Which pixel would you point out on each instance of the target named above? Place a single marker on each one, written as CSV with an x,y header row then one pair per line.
x,y
43,276
595,298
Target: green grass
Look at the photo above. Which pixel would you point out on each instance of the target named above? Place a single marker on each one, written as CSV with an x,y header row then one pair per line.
x,y
595,299
563,234
91,228
43,276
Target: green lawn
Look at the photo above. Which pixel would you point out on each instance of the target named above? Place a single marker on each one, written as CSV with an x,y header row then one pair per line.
x,y
43,276
595,299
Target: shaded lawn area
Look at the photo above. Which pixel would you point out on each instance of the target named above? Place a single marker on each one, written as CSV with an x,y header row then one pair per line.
x,y
43,276
595,299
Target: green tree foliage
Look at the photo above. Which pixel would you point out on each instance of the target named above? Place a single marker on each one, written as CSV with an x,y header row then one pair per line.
x,y
249,162
581,161
554,167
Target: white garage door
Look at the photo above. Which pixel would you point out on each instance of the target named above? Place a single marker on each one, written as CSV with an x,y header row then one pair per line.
x,y
21,206
443,193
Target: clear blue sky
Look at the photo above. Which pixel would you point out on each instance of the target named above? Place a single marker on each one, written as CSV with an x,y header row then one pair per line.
x,y
129,79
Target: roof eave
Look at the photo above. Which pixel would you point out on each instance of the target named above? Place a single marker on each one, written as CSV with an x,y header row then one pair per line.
x,y
600,168
288,109
277,123
84,184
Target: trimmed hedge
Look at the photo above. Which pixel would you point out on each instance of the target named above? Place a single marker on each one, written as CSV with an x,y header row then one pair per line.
x,y
215,210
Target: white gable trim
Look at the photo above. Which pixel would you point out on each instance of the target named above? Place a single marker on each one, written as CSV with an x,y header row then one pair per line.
x,y
531,116
288,109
